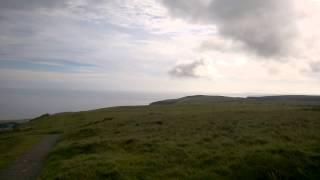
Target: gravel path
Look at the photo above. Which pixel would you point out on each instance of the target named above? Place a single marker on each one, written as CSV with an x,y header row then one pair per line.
x,y
29,166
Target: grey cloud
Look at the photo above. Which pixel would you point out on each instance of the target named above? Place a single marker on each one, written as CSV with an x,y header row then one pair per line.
x,y
31,4
315,67
265,27
186,70
221,46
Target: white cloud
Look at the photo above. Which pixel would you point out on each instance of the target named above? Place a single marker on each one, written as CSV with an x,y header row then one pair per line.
x,y
137,42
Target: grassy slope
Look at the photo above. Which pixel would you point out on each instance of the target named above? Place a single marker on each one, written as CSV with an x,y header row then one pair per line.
x,y
227,140
14,144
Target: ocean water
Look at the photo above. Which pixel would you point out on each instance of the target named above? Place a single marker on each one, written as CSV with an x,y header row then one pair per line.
x,y
30,103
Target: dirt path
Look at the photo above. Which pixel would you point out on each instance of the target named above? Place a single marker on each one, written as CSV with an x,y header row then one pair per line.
x,y
30,164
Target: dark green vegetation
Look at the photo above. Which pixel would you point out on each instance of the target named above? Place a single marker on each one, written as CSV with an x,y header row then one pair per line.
x,y
15,140
201,100
8,126
197,138
14,143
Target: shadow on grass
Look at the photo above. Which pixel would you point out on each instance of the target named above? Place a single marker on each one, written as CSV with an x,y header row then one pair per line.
x,y
278,164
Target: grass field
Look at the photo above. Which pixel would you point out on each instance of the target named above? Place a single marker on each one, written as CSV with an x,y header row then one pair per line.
x,y
225,140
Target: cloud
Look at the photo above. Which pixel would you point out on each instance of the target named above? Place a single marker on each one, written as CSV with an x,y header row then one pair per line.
x,y
30,4
265,27
315,67
97,32
186,70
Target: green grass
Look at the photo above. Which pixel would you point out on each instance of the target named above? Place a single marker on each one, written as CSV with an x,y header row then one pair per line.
x,y
226,140
14,144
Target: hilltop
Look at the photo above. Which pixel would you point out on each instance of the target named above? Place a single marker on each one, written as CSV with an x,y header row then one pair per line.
x,y
203,99
197,99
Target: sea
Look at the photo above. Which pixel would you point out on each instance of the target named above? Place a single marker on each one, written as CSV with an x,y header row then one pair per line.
x,y
30,103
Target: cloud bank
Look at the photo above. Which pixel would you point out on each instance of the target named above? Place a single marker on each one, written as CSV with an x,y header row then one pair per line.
x,y
141,44
265,27
31,4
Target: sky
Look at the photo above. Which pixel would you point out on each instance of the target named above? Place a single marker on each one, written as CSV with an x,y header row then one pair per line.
x,y
164,46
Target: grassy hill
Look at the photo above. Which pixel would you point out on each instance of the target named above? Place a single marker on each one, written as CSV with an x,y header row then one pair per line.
x,y
196,137
201,100
197,99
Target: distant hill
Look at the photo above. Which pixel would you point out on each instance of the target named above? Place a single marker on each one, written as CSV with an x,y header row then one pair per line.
x,y
197,99
289,98
202,99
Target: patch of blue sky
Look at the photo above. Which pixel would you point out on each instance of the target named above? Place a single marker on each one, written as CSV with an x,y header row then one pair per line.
x,y
62,66
136,32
